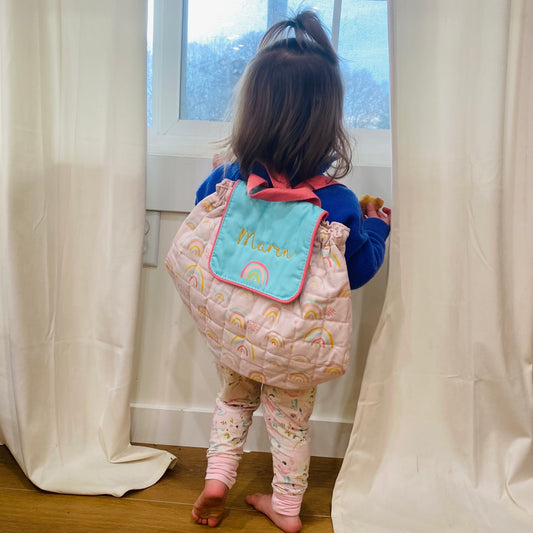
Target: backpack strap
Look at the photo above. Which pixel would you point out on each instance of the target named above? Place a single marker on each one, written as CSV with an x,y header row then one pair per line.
x,y
281,191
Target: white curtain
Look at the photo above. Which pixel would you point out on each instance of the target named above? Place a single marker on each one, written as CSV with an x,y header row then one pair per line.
x,y
442,440
72,160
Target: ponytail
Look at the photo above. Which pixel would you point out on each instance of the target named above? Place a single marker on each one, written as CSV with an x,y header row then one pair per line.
x,y
308,34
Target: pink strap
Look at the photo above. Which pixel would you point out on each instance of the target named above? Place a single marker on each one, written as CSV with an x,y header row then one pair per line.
x,y
281,191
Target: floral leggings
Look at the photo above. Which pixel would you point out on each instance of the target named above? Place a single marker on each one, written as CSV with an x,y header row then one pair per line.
x,y
286,415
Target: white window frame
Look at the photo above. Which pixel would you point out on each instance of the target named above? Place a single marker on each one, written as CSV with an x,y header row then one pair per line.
x,y
175,144
168,135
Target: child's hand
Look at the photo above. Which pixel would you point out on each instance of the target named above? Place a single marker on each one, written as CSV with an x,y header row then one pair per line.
x,y
221,158
384,214
218,159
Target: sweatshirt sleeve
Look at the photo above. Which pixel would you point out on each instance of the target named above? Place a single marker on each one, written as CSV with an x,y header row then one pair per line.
x,y
365,246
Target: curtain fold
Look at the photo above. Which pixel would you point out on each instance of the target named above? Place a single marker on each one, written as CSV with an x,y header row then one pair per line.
x,y
443,434
72,185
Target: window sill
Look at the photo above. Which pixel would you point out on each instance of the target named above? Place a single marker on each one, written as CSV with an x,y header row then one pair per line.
x,y
177,165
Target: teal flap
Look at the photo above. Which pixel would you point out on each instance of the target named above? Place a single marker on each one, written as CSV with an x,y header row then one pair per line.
x,y
265,246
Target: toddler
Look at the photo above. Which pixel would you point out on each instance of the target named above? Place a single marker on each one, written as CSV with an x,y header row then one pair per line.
x,y
288,127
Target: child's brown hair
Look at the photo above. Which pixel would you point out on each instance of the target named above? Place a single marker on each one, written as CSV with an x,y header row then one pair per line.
x,y
290,108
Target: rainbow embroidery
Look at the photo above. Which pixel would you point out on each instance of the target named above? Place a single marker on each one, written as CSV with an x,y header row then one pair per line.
x,y
245,293
195,277
319,336
272,313
244,348
210,335
298,377
255,272
300,359
191,223
202,310
316,282
346,291
207,205
237,317
312,310
274,340
275,360
221,296
257,376
335,370
196,245
329,257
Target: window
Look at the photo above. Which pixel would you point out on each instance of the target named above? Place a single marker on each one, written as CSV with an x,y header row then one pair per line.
x,y
198,49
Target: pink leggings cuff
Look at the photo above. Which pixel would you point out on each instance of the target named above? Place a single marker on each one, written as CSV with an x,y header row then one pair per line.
x,y
287,504
223,469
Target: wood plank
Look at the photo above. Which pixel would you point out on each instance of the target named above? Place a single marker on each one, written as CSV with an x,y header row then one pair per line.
x,y
166,506
33,512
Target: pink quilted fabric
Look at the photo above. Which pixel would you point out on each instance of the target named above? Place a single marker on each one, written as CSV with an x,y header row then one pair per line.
x,y
292,345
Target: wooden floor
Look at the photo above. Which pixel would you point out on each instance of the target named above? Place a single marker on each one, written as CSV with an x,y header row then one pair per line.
x,y
165,507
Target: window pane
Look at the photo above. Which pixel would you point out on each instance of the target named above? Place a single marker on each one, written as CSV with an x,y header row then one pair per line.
x,y
223,36
364,51
149,55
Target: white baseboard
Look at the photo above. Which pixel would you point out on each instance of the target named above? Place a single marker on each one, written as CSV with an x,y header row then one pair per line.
x,y
155,424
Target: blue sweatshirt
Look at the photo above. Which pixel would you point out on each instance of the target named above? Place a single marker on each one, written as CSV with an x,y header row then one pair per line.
x,y
365,246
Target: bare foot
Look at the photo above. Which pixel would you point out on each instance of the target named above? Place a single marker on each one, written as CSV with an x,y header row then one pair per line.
x,y
209,507
263,503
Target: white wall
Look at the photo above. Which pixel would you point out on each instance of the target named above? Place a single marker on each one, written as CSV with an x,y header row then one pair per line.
x,y
176,382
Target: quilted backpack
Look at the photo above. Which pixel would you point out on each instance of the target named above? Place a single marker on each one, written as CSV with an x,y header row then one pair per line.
x,y
264,276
